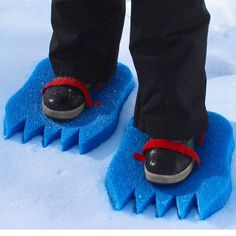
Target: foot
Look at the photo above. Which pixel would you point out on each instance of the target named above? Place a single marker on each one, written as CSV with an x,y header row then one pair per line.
x,y
165,166
64,101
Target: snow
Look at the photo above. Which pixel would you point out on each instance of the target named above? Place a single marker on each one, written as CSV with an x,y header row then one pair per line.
x,y
47,188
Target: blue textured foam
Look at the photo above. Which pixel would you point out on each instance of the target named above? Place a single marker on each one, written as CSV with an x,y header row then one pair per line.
x,y
208,188
94,126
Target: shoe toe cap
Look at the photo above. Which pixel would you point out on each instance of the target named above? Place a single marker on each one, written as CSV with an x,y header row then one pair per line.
x,y
63,98
165,162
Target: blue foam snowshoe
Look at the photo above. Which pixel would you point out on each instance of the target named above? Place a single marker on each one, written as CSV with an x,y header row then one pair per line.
x,y
24,111
208,187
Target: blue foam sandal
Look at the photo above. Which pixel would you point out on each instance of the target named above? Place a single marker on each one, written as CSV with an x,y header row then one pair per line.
x,y
24,112
208,187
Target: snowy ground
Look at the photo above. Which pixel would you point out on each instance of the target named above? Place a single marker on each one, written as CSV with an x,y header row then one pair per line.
x,y
46,188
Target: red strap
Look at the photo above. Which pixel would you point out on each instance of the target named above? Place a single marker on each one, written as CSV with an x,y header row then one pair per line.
x,y
169,145
60,81
201,140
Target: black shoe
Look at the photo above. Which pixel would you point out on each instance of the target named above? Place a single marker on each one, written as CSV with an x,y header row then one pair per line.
x,y
163,166
63,102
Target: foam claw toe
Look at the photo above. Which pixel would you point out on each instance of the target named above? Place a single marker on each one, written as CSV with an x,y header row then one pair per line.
x,y
50,134
163,203
119,195
142,200
184,204
69,138
32,128
12,126
119,190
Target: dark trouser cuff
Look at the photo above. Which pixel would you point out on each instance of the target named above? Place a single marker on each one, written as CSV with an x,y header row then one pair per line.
x,y
173,127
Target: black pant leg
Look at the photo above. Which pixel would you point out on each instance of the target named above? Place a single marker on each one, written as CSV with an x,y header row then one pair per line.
x,y
168,45
86,37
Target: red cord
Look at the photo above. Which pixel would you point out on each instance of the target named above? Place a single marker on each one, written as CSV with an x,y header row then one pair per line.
x,y
60,81
169,145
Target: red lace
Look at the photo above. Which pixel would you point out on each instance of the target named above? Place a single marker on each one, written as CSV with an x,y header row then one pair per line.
x,y
60,81
169,145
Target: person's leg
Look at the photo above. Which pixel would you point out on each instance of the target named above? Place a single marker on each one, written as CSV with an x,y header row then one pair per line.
x,y
168,45
83,50
86,37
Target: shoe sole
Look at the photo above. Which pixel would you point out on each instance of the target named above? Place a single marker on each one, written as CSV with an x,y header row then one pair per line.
x,y
63,115
168,179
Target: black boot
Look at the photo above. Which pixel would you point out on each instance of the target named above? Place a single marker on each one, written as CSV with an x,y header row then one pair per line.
x,y
64,101
163,166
